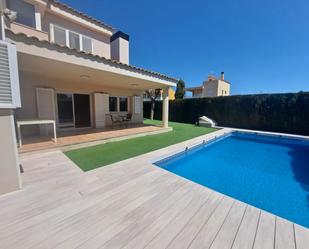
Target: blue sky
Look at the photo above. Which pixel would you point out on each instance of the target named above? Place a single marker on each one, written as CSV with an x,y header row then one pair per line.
x,y
261,45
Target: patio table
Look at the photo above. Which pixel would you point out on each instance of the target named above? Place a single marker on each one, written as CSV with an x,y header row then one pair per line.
x,y
19,123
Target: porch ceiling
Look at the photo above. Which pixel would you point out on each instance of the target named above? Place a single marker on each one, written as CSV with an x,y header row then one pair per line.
x,y
66,72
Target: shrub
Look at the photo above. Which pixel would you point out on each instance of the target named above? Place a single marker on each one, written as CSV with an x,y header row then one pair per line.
x,y
288,113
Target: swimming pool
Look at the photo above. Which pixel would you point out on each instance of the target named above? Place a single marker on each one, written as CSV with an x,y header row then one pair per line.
x,y
268,172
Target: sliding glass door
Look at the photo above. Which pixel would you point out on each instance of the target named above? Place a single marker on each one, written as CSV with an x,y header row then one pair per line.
x,y
65,110
82,110
73,110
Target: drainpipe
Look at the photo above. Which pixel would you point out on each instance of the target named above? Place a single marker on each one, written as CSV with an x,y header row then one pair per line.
x,y
2,24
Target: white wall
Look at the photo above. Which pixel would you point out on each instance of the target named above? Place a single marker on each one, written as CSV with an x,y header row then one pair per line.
x,y
9,165
101,42
120,50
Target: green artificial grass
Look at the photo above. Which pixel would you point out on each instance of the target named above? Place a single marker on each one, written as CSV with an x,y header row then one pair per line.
x,y
100,155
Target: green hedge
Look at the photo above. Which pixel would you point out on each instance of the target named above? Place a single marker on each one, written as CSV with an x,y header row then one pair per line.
x,y
287,113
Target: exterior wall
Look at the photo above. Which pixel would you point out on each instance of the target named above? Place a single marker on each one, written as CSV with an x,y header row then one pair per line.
x,y
198,93
210,88
29,82
215,88
44,17
115,51
223,88
171,94
9,169
100,42
120,50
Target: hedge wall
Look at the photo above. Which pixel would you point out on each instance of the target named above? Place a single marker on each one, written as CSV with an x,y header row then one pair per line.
x,y
287,113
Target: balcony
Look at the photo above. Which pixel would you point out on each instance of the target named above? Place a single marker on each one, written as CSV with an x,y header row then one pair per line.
x,y
29,31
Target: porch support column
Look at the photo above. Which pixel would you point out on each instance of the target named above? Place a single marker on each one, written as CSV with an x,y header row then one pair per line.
x,y
165,104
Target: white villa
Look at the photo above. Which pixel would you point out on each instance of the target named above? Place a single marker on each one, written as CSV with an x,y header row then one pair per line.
x,y
62,67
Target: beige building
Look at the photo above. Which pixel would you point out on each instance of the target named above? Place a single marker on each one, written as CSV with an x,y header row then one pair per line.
x,y
213,87
73,71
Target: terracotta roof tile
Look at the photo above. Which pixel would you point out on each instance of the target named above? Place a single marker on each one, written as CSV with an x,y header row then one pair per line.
x,y
81,14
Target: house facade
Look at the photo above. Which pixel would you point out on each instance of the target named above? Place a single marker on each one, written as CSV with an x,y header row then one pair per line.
x,y
72,69
212,87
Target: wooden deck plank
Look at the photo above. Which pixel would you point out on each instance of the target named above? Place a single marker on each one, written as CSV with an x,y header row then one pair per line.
x,y
165,236
89,224
209,231
103,190
265,235
183,239
37,228
101,236
247,230
301,237
225,237
160,216
284,238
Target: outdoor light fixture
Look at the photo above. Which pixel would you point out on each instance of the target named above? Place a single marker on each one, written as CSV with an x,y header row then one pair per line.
x,y
10,14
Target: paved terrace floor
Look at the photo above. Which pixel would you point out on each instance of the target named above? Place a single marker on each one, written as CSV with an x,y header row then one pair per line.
x,y
132,204
70,138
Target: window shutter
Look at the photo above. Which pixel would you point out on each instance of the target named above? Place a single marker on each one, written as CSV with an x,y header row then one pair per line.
x,y
101,108
106,103
9,80
137,105
45,100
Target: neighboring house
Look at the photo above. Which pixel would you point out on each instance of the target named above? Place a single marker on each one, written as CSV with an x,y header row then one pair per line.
x,y
171,95
72,68
213,87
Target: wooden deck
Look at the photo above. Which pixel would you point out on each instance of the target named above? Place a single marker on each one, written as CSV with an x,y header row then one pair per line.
x,y
132,204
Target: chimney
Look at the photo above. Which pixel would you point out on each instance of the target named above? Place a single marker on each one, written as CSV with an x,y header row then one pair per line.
x,y
120,47
222,76
211,77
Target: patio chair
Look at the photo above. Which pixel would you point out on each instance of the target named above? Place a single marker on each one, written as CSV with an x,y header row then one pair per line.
x,y
127,119
115,119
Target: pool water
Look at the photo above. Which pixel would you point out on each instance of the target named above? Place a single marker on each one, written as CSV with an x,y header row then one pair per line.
x,y
271,173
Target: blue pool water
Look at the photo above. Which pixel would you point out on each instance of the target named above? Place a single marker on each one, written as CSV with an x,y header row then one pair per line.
x,y
270,173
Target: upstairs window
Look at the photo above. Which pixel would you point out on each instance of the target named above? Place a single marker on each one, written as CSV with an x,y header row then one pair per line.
x,y
25,12
59,36
123,104
87,44
71,39
113,104
74,40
